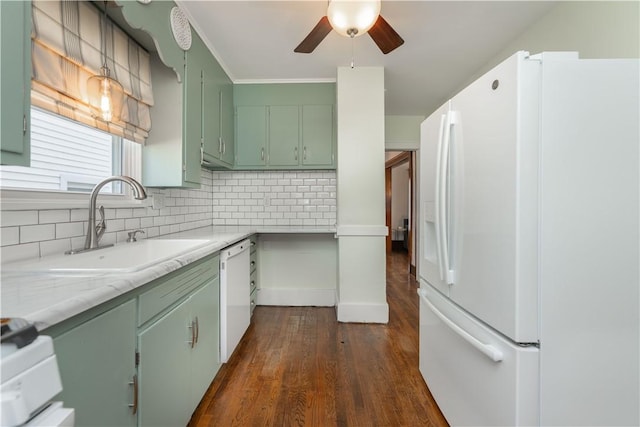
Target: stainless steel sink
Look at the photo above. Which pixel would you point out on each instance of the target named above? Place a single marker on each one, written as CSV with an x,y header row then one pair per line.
x,y
122,258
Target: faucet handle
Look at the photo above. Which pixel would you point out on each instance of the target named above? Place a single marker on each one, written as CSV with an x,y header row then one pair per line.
x,y
102,225
132,235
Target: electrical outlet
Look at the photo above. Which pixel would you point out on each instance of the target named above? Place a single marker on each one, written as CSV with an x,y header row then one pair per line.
x,y
157,201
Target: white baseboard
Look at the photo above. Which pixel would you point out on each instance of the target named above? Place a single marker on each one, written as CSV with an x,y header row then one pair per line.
x,y
297,297
363,313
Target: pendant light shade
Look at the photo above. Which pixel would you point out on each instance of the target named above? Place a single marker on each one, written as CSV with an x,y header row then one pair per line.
x,y
352,18
105,94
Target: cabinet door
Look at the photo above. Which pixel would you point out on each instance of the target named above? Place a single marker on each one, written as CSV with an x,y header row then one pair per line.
x,y
284,135
97,362
251,135
192,111
15,68
211,144
205,360
317,135
165,351
227,121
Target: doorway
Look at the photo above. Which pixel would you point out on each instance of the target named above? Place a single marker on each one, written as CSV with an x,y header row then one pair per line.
x,y
399,198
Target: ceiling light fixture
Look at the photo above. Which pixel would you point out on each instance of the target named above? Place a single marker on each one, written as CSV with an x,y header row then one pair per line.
x,y
105,94
352,18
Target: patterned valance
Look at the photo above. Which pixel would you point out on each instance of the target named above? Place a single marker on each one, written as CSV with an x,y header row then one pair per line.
x,y
66,39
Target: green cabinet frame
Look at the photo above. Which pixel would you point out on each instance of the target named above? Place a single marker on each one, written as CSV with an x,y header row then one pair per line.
x,y
15,82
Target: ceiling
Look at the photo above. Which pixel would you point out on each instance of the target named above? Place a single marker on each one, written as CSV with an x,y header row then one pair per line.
x,y
446,43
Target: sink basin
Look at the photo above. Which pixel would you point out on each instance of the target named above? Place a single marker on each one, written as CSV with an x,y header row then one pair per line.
x,y
123,258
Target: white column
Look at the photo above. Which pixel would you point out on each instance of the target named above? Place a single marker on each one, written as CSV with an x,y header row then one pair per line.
x,y
361,230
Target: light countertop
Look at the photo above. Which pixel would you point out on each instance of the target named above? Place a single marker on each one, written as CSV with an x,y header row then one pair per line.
x,y
46,299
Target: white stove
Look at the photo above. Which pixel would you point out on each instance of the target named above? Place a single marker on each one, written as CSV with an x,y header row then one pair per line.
x,y
29,379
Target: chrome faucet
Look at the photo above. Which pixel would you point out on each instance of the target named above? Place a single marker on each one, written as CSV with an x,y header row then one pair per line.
x,y
95,232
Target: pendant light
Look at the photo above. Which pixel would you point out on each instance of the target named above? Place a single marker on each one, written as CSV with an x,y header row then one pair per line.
x,y
106,94
352,18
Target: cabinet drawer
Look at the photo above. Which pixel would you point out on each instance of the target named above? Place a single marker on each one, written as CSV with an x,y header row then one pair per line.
x,y
175,287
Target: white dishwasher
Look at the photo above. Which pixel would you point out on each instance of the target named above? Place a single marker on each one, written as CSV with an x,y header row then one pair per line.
x,y
235,296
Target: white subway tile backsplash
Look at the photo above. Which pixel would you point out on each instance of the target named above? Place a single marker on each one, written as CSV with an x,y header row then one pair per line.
x,y
225,198
69,229
9,236
10,218
54,216
19,252
54,247
36,233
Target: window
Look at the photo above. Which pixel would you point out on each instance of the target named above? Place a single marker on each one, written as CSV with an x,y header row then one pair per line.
x,y
68,156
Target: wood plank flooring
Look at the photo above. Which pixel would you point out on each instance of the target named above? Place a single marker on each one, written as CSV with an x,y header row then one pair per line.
x,y
297,366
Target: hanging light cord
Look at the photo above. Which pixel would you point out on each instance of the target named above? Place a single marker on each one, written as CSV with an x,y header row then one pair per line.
x,y
352,52
103,41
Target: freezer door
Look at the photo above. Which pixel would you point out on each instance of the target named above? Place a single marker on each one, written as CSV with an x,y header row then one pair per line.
x,y
492,192
432,132
476,376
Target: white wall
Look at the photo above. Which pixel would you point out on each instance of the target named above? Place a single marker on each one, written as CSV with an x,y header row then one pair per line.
x,y
594,29
361,226
402,133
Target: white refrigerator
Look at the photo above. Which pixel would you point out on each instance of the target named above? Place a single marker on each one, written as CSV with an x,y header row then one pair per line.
x,y
529,245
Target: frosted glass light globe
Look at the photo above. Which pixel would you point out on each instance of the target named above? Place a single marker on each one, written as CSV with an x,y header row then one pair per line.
x,y
352,18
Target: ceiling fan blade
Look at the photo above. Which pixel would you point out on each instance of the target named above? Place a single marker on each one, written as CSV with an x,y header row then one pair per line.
x,y
385,36
319,32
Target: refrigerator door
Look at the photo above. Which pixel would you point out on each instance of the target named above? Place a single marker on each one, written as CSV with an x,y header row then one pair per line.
x,y
432,132
590,297
492,195
476,376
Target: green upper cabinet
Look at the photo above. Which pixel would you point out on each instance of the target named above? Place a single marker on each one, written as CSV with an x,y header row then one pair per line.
x,y
251,136
227,118
15,82
285,126
317,129
284,135
193,109
171,154
218,144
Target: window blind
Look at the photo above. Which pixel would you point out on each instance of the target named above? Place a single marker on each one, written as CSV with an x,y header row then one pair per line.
x,y
66,50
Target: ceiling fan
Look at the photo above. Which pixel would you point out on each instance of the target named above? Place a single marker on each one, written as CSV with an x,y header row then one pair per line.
x,y
352,18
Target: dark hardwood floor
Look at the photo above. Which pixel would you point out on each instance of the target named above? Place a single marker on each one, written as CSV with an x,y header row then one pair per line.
x,y
297,366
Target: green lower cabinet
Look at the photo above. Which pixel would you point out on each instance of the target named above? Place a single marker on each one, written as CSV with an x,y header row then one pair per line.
x,y
179,357
165,349
205,357
97,367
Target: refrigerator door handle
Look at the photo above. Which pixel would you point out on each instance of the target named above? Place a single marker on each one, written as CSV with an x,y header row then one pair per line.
x,y
487,349
438,198
446,273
